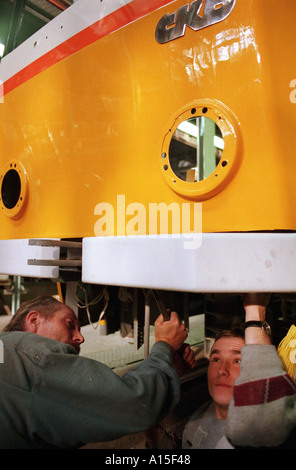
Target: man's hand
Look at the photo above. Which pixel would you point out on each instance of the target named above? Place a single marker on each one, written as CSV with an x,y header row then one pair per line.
x,y
184,359
172,331
188,356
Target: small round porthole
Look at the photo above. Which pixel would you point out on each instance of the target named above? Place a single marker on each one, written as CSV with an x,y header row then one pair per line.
x,y
13,189
201,150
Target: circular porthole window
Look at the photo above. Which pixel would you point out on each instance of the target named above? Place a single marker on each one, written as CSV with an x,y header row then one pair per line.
x,y
200,151
195,149
13,189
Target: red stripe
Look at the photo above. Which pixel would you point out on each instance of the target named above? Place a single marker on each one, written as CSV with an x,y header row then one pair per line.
x,y
59,4
116,20
263,391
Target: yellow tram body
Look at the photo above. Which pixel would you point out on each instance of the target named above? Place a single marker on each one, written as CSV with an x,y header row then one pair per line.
x,y
91,126
88,122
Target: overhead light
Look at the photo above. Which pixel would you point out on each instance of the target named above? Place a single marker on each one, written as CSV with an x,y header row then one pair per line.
x,y
2,47
192,130
188,128
218,142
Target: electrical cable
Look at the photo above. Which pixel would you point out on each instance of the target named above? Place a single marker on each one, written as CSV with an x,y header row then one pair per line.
x,y
103,294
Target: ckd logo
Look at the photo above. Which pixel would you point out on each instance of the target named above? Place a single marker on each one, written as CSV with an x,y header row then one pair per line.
x,y
173,26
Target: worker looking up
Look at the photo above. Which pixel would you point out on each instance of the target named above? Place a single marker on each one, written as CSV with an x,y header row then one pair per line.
x,y
262,412
206,427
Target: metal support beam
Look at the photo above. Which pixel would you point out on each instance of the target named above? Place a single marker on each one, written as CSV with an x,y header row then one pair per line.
x,y
16,295
70,299
15,25
147,326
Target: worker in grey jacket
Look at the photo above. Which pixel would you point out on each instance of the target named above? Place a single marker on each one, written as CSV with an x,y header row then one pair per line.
x,y
262,412
52,398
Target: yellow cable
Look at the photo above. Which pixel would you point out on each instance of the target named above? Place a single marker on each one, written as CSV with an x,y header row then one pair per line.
x,y
287,351
59,289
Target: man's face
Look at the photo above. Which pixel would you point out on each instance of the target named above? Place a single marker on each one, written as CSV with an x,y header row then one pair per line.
x,y
224,368
62,326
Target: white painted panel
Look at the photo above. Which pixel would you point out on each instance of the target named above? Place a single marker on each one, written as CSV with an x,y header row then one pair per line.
x,y
14,255
233,262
